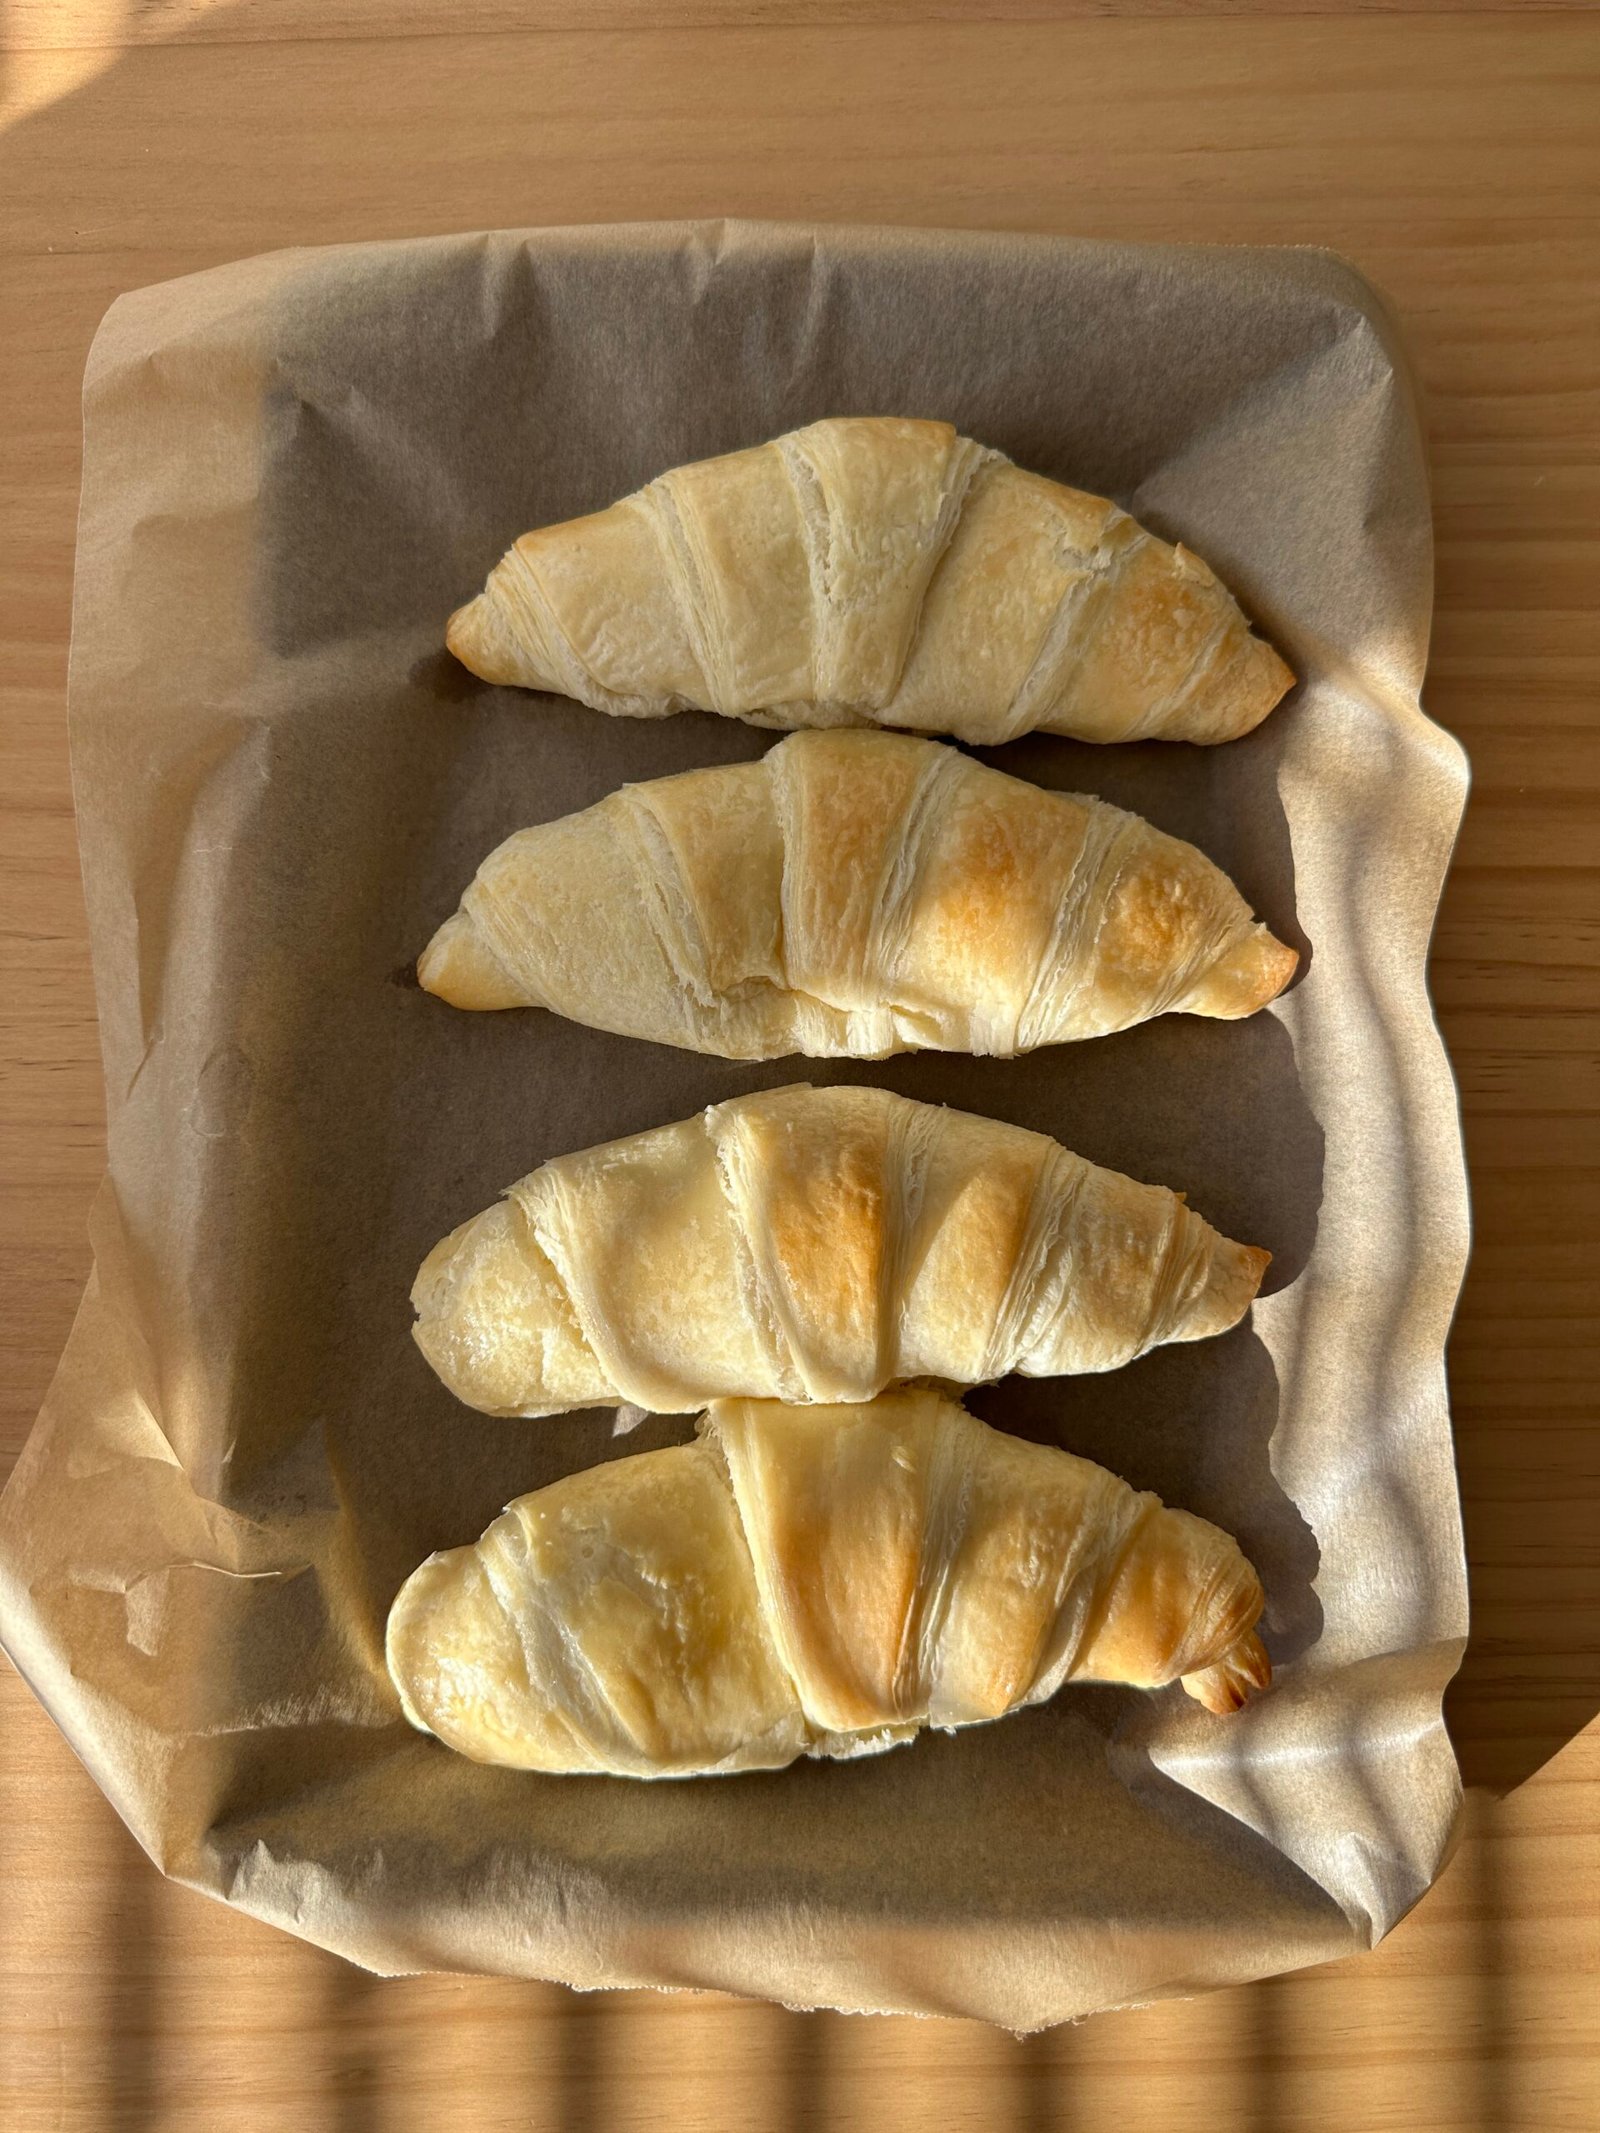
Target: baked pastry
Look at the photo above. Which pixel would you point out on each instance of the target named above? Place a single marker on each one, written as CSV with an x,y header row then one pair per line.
x,y
873,571
852,895
820,1581
815,1245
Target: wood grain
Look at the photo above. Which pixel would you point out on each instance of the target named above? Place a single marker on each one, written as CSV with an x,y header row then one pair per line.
x,y
76,25
1454,156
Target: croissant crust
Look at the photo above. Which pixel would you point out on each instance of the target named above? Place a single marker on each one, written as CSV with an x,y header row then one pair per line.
x,y
815,1245
874,571
853,895
823,1581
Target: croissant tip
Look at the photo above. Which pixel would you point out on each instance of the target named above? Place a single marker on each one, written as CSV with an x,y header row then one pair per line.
x,y
1232,1281
1279,962
476,635
428,974
1252,1263
1242,1672
460,635
1270,683
458,967
1252,973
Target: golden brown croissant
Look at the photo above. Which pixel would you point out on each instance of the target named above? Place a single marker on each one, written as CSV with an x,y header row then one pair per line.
x,y
853,894
875,572
812,1581
815,1245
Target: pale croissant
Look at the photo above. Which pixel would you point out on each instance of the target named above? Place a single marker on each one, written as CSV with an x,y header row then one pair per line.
x,y
853,894
875,572
815,1245
824,1581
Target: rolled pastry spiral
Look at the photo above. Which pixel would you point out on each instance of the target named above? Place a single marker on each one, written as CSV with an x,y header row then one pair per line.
x,y
874,571
852,895
815,1245
821,1582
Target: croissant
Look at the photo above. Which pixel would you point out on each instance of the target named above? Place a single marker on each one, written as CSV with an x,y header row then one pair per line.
x,y
853,894
815,1245
820,1582
874,572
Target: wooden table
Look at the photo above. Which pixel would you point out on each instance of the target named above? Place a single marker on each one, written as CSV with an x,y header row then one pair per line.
x,y
1455,155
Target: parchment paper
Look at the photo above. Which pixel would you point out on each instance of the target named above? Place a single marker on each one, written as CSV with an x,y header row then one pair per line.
x,y
294,468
